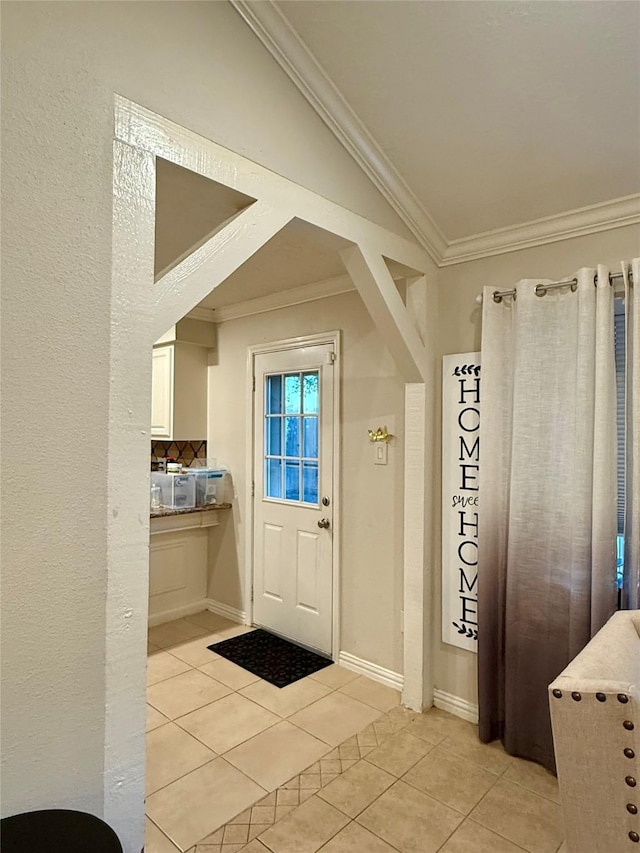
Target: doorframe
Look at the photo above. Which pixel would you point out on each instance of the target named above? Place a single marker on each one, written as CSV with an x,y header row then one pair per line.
x,y
333,338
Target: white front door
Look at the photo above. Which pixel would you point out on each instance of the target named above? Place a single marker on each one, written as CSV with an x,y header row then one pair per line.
x,y
293,509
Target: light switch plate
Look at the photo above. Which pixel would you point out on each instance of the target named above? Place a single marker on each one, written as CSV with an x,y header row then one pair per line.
x,y
380,453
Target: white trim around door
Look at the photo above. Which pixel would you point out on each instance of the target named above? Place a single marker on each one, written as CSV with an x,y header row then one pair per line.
x,y
332,338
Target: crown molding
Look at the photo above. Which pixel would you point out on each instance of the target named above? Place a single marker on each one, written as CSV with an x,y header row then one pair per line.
x,y
295,58
206,314
274,301
614,213
301,66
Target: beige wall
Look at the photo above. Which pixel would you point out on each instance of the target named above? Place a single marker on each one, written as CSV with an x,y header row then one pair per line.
x,y
198,64
460,331
371,495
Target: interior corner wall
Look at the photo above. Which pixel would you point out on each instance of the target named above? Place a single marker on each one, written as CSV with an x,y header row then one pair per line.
x,y
372,395
198,64
460,328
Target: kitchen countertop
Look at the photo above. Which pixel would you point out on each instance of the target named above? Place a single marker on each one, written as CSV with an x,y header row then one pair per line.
x,y
163,513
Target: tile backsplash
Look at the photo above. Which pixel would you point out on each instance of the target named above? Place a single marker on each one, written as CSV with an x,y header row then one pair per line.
x,y
182,451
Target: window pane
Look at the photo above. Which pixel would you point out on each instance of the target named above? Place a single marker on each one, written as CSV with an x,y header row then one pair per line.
x,y
310,392
292,436
310,482
292,393
273,431
273,478
273,396
310,438
292,481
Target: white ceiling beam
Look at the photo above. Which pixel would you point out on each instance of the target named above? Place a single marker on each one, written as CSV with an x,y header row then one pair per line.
x,y
380,295
187,284
144,129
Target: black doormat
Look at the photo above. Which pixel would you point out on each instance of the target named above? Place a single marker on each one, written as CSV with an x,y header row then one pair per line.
x,y
269,657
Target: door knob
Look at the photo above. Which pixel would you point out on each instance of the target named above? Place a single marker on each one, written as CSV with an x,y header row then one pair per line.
x,y
324,522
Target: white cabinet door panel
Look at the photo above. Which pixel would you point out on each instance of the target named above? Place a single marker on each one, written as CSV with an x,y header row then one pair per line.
x,y
162,392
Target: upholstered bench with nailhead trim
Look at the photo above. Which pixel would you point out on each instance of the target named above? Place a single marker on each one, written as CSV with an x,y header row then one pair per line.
x,y
595,714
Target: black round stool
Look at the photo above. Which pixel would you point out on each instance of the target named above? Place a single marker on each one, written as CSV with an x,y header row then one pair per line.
x,y
57,831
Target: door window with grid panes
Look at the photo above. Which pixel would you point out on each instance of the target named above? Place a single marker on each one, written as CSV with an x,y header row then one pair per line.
x,y
291,453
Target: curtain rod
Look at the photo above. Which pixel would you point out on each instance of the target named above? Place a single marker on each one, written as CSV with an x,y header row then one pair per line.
x,y
541,289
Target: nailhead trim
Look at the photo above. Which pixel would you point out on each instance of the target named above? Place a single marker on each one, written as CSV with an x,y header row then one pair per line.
x,y
632,808
633,835
628,725
629,753
576,696
557,693
601,697
622,697
631,782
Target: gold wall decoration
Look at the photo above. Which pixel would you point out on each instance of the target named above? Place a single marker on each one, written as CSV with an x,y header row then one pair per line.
x,y
380,434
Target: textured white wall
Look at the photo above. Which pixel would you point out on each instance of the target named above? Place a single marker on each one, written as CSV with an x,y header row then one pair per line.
x,y
199,65
371,495
460,331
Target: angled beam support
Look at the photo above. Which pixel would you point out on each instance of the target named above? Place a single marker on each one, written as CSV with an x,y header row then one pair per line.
x,y
141,128
180,290
383,302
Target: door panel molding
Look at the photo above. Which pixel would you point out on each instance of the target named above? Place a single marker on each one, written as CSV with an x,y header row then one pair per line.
x,y
330,338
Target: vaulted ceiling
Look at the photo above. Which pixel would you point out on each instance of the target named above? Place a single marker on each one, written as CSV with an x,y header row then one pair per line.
x,y
489,126
475,117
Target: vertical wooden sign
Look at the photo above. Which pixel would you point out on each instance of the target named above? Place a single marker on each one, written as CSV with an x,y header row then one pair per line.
x,y
460,498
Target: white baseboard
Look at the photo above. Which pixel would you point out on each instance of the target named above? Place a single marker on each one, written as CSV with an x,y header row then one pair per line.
x,y
455,705
178,612
225,610
371,670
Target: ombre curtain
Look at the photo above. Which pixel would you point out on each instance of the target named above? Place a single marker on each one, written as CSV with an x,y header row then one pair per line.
x,y
631,576
547,537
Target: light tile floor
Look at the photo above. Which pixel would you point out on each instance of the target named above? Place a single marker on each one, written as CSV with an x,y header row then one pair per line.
x,y
331,763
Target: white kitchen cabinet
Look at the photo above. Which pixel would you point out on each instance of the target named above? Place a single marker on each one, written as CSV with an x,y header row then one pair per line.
x,y
179,381
162,392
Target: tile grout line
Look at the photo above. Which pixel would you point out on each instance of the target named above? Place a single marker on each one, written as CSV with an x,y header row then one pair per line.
x,y
390,734
490,828
331,748
381,739
169,839
216,755
177,779
531,791
465,817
